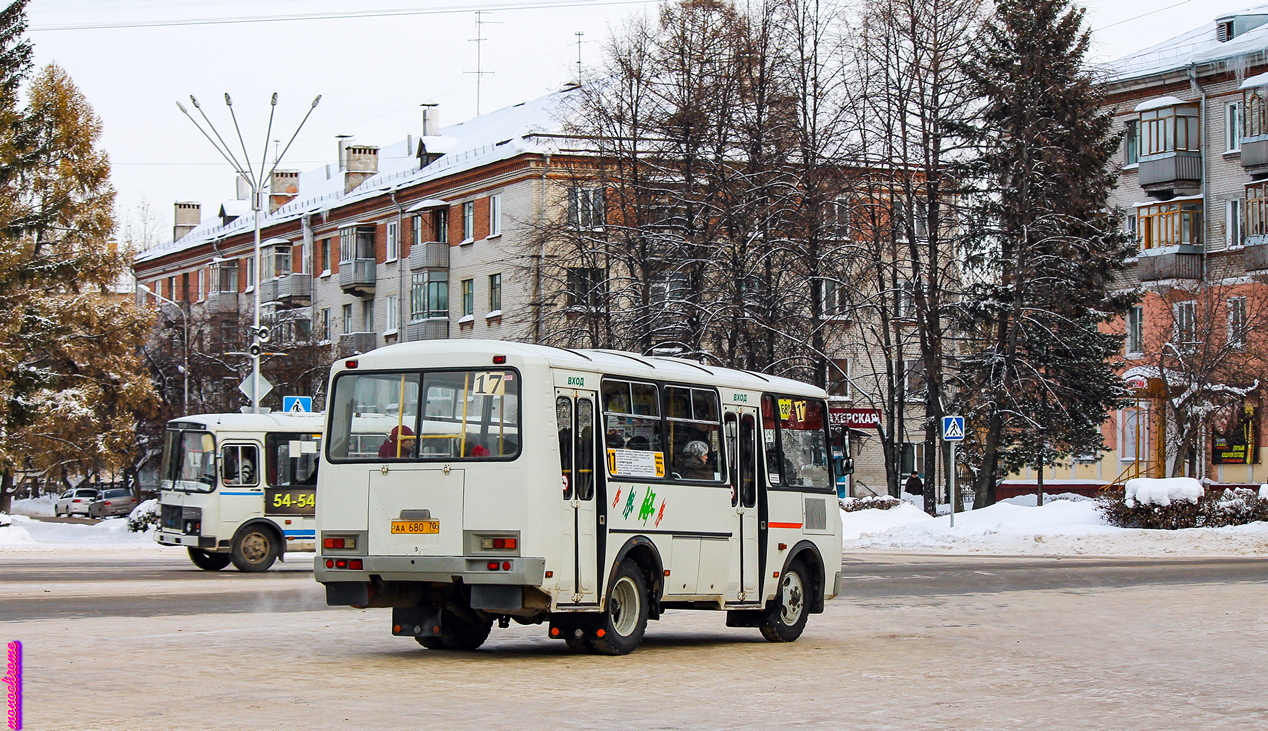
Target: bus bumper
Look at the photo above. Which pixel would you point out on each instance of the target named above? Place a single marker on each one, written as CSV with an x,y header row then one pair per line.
x,y
167,538
519,570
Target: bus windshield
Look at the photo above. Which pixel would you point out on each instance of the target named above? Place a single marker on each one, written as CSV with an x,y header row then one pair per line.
x,y
189,462
440,415
803,441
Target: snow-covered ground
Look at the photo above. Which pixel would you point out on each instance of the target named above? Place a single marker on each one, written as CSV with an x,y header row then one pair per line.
x,y
41,506
25,532
1062,527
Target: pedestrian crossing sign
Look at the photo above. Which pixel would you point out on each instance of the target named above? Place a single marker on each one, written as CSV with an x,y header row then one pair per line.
x,y
297,404
953,428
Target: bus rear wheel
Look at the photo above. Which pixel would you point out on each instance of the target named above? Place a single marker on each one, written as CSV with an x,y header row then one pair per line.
x,y
458,632
625,619
208,561
786,620
255,549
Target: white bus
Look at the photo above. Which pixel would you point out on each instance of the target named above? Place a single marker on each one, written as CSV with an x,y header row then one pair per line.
x,y
214,499
589,489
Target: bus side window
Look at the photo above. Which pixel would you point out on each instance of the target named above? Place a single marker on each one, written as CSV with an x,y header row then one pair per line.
x,y
585,449
240,461
748,461
771,439
563,416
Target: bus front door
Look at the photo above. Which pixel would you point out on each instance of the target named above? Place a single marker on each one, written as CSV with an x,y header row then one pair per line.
x,y
741,436
574,412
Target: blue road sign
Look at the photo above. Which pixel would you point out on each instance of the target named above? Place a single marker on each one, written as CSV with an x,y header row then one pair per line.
x,y
297,404
953,428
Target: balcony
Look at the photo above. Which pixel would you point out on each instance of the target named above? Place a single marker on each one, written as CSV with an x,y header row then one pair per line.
x,y
353,343
1255,255
357,277
1170,266
437,329
1171,173
268,290
1254,156
429,255
295,290
221,303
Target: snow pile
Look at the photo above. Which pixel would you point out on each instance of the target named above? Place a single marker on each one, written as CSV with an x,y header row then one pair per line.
x,y
26,532
1065,527
41,506
144,516
1152,491
1263,492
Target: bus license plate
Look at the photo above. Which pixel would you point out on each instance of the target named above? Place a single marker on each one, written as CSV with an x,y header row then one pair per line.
x,y
416,526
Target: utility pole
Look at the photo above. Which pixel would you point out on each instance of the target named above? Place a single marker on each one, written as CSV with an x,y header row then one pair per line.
x,y
259,183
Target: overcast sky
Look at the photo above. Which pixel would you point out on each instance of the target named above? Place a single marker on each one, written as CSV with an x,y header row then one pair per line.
x,y
372,72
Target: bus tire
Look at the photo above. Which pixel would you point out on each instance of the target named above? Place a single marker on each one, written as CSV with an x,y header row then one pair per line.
x,y
785,620
460,633
625,619
208,561
579,646
431,643
255,548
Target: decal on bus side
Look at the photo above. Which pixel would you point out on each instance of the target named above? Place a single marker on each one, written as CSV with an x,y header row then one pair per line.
x,y
576,381
743,397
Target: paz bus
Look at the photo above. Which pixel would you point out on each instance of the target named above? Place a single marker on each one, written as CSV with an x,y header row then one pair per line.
x,y
589,490
217,501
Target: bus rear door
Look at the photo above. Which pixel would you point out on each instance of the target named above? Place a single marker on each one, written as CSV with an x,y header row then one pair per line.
x,y
574,412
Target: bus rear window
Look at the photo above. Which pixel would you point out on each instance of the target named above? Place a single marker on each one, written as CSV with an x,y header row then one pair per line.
x,y
439,415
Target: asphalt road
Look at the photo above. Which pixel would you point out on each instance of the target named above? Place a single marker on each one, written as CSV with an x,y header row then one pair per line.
x,y
917,642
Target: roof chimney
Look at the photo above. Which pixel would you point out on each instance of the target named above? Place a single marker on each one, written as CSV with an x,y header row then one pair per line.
x,y
431,119
188,216
283,187
342,140
362,163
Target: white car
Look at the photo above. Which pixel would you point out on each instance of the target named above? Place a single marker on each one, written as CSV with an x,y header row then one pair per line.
x,y
75,502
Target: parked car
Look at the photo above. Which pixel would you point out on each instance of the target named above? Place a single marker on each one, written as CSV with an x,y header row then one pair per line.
x,y
75,501
112,502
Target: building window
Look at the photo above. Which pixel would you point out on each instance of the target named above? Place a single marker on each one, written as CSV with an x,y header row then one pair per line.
x,y
416,228
468,221
325,324
224,276
1256,215
1131,143
171,288
1170,224
441,223
586,287
914,379
838,219
429,295
586,207
495,293
1135,330
391,312
1233,127
468,297
367,316
495,215
1129,225
1133,442
393,242
250,273
1185,331
1254,113
1233,222
277,261
1170,129
839,377
347,318
1237,331
831,298
323,254
356,242
202,284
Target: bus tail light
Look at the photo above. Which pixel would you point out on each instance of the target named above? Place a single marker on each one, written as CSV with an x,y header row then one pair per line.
x,y
342,543
499,360
356,564
492,565
350,364
505,544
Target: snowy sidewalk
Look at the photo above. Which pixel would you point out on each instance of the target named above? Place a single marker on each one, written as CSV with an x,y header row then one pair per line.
x,y
1062,527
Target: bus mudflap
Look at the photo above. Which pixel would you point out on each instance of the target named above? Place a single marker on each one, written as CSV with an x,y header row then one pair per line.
x,y
367,594
420,621
746,617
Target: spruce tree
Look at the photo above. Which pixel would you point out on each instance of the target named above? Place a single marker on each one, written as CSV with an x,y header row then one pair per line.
x,y
1037,376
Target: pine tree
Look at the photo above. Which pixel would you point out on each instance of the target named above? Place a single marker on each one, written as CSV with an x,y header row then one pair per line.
x,y
70,370
1038,379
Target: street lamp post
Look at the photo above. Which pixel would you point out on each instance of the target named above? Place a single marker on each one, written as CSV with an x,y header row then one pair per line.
x,y
185,326
259,185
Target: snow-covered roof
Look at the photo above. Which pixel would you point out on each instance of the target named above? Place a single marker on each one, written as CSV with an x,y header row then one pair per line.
x,y
234,208
1159,103
486,139
1200,45
1254,82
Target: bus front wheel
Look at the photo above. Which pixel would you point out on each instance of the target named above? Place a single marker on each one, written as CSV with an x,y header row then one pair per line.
x,y
255,548
208,561
786,620
625,620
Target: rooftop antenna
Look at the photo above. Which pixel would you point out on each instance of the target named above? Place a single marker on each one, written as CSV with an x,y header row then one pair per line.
x,y
479,40
579,34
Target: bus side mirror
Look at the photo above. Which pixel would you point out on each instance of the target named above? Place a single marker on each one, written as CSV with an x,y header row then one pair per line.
x,y
847,466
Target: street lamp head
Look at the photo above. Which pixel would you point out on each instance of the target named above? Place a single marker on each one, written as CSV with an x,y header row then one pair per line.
x,y
182,108
228,101
274,101
315,101
194,102
146,288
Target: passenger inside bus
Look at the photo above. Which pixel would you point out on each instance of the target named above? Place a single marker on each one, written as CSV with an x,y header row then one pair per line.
x,y
398,443
695,462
